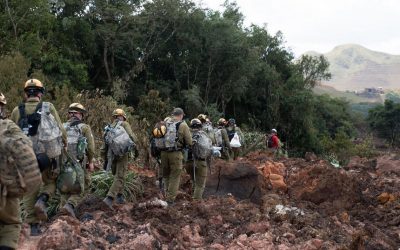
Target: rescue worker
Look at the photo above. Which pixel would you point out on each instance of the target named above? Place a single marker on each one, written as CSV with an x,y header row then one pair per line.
x,y
196,167
222,139
273,143
208,128
35,204
78,133
172,158
10,218
119,164
232,129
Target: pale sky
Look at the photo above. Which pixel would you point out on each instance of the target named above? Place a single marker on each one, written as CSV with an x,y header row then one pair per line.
x,y
320,25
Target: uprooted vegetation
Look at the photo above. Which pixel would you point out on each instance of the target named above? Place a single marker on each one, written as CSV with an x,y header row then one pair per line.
x,y
254,203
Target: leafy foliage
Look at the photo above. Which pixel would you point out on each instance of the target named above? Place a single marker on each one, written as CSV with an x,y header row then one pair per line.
x,y
385,119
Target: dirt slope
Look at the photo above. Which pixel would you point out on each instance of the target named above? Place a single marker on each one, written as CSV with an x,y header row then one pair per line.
x,y
253,203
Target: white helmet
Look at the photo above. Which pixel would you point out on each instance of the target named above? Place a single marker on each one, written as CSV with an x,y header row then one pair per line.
x,y
274,131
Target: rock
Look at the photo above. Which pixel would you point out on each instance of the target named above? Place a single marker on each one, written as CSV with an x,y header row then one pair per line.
x,y
144,241
240,178
190,237
257,227
216,246
385,197
310,156
277,182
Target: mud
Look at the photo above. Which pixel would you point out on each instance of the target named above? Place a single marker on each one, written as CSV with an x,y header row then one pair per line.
x,y
322,207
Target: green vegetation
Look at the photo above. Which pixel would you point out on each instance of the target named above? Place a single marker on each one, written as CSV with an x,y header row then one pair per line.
x,y
150,56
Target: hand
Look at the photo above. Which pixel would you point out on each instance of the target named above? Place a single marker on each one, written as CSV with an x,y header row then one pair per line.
x,y
91,167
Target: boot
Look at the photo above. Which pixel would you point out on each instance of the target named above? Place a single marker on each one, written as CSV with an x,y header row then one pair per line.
x,y
68,209
109,202
120,199
41,207
35,229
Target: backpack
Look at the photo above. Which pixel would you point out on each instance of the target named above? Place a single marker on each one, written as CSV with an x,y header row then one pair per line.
x,y
218,137
77,143
202,148
170,139
19,171
71,179
43,130
118,140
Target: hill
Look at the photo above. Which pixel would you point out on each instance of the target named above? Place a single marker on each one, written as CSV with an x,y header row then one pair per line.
x,y
349,96
354,67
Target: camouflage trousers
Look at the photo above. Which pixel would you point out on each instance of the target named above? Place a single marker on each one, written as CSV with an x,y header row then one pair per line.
x,y
48,187
199,178
172,164
119,168
10,223
236,152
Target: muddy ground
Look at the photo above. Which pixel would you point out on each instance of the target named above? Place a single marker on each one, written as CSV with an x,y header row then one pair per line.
x,y
253,203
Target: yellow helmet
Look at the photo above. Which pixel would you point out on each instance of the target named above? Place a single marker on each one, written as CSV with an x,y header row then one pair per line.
x,y
160,130
202,117
119,112
3,99
33,84
195,123
76,107
221,121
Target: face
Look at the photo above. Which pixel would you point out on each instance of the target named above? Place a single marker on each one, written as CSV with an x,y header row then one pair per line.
x,y
75,115
179,117
120,117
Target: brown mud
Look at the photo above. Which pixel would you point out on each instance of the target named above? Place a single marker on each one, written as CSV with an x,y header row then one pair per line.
x,y
253,203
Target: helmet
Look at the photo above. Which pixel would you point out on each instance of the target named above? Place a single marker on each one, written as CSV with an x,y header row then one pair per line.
x,y
202,117
221,121
178,111
3,99
77,107
274,131
232,121
195,123
33,84
160,130
119,112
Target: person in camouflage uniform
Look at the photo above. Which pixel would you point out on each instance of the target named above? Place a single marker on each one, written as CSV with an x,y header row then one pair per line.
x,y
198,172
172,160
223,141
75,128
208,128
231,130
10,212
35,204
119,163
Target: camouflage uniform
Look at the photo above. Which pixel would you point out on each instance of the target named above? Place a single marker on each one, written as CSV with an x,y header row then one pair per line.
x,y
90,152
200,175
119,164
10,216
50,175
231,130
226,146
171,162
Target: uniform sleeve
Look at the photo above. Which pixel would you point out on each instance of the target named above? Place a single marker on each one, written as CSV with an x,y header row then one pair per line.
x,y
225,138
15,115
87,132
54,112
184,135
128,129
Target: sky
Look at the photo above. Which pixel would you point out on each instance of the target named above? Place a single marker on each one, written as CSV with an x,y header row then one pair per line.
x,y
321,25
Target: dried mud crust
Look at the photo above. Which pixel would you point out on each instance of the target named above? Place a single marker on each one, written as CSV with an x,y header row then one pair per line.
x,y
322,208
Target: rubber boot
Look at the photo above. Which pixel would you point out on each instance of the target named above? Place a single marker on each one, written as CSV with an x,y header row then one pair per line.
x,y
120,199
109,202
35,229
41,207
68,209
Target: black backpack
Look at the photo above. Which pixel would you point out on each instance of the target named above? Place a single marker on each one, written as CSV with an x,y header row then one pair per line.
x,y
29,124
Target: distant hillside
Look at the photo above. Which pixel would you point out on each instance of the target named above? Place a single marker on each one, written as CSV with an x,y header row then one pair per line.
x,y
349,96
354,67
